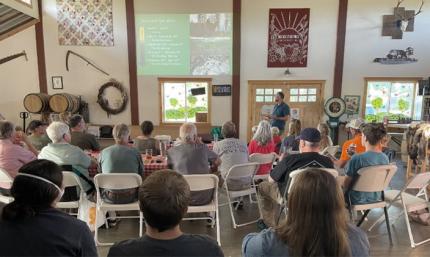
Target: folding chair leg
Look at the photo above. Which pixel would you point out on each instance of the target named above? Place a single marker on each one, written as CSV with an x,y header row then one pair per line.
x,y
363,218
218,234
140,224
231,211
387,221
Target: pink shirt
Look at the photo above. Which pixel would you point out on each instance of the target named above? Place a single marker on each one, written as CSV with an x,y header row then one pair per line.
x,y
254,147
13,156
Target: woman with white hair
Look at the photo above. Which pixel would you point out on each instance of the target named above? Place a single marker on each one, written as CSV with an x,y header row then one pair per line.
x,y
262,142
62,152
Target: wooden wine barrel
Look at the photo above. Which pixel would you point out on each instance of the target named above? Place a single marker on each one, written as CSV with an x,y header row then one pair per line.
x,y
36,102
64,102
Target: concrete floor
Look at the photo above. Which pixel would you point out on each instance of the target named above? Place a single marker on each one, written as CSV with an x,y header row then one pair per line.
x,y
231,239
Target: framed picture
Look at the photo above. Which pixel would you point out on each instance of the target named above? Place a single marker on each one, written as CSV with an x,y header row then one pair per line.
x,y
57,82
352,103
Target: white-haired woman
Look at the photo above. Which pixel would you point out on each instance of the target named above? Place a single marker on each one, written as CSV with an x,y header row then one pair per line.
x,y
262,142
62,152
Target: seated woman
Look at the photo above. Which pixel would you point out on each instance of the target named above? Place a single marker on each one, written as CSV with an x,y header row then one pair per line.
x,y
291,143
262,142
316,224
120,158
277,139
146,141
325,136
62,152
38,137
32,219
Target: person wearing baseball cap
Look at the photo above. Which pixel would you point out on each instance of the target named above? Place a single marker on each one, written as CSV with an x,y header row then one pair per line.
x,y
271,191
353,145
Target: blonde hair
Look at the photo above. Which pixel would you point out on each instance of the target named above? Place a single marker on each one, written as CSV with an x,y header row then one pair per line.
x,y
275,131
263,135
325,134
294,128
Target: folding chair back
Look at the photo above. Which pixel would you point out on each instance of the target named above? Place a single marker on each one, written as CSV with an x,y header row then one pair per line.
x,y
261,158
5,178
332,150
163,137
242,171
375,178
117,181
202,182
70,179
419,181
295,173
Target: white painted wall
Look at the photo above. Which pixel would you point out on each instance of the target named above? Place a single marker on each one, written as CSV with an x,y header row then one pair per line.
x,y
18,77
364,43
149,100
82,79
322,43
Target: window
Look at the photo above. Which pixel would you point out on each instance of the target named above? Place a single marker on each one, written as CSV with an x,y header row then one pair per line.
x,y
392,99
266,95
185,100
303,95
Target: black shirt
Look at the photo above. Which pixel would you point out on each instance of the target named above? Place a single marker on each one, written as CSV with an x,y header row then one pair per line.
x,y
281,172
185,245
49,233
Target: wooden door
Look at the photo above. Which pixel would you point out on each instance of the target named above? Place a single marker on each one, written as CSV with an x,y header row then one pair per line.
x,y
305,96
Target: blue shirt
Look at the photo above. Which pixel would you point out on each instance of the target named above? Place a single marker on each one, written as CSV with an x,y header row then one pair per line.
x,y
280,110
267,243
121,159
357,162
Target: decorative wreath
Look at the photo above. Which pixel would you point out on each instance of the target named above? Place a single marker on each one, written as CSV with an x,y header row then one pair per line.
x,y
335,107
104,103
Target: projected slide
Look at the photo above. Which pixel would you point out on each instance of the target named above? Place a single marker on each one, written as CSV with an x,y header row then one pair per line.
x,y
184,44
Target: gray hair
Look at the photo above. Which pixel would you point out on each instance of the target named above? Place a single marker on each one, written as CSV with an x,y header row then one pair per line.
x,y
121,132
312,144
188,132
263,135
56,131
6,129
274,130
228,129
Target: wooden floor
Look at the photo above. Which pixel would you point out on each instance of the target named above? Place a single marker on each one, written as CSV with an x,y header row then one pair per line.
x,y
231,239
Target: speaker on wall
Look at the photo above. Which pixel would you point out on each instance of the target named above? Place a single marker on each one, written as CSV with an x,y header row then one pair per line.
x,y
198,91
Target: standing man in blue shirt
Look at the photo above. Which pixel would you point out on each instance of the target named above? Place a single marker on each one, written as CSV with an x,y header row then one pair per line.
x,y
280,113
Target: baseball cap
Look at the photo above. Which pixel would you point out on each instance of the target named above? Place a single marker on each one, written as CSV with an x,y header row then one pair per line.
x,y
310,134
355,123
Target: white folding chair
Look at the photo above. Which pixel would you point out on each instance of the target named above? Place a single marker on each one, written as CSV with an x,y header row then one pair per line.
x,y
117,181
241,172
70,179
331,150
205,182
409,202
163,138
262,159
5,180
373,179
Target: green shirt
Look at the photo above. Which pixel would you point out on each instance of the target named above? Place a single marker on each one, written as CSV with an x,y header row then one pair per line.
x,y
39,141
120,159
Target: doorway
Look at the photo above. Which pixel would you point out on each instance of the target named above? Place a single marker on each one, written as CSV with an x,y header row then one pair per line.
x,y
305,98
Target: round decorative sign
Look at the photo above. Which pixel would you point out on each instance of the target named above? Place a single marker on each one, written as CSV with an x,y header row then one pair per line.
x,y
112,106
335,107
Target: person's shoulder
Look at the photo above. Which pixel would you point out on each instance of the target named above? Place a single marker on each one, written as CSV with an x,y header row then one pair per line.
x,y
203,241
359,241
262,243
126,247
66,220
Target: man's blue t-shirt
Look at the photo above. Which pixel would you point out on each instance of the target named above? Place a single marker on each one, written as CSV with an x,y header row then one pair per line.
x,y
280,110
357,162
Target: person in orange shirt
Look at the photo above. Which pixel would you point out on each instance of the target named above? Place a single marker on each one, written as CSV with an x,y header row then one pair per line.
x,y
353,145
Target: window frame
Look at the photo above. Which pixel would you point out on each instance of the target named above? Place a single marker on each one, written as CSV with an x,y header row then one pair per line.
x,y
391,80
162,80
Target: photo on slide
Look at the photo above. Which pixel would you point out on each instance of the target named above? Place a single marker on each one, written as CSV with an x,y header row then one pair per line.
x,y
210,36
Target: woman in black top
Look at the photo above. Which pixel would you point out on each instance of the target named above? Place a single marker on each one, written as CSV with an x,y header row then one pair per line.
x,y
30,225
